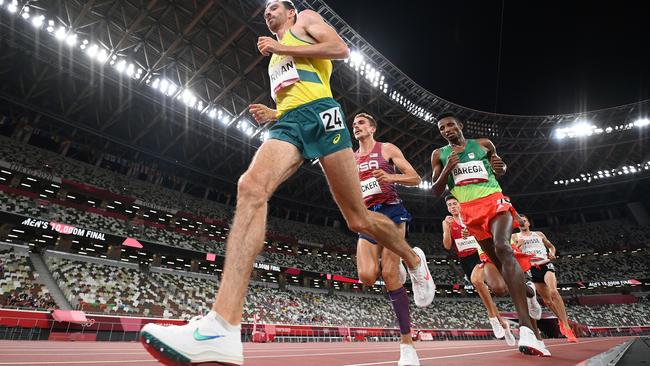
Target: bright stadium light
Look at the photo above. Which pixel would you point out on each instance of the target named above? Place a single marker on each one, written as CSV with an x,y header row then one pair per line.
x,y
50,26
642,122
71,39
102,55
92,50
60,33
37,21
607,173
120,66
13,6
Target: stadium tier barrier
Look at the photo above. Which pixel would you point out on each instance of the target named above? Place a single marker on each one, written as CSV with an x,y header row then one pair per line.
x,y
77,326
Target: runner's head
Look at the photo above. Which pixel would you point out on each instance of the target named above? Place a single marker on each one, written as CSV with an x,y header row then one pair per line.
x,y
526,226
278,13
364,126
450,127
453,206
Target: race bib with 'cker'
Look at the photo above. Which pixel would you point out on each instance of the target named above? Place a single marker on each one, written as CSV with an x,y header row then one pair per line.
x,y
369,187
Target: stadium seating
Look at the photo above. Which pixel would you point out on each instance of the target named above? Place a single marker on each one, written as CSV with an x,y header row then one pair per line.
x,y
18,283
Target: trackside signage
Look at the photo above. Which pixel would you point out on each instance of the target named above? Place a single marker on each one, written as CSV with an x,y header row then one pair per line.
x,y
64,229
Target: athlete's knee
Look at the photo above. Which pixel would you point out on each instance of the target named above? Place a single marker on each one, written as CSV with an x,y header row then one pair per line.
x,y
500,289
359,224
250,190
503,252
368,276
555,296
390,276
476,278
548,300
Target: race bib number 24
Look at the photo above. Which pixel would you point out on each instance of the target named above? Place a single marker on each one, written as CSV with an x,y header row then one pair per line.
x,y
332,119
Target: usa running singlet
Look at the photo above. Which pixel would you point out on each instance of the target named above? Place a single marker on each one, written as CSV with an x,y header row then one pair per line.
x,y
298,80
464,247
473,177
375,193
534,245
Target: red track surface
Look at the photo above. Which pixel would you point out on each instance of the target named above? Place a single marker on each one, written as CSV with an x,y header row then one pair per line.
x,y
480,353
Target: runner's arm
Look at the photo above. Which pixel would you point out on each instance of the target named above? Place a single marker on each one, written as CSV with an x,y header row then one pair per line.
x,y
446,236
548,244
440,174
514,239
328,43
498,165
408,176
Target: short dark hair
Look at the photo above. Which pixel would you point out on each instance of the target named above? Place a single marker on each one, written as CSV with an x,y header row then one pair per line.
x,y
448,114
289,6
450,197
367,116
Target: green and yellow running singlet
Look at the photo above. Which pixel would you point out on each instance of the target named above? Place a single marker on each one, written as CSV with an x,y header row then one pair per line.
x,y
298,80
473,177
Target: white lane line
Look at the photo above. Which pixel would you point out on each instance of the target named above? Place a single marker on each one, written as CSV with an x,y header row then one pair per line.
x,y
354,352
474,353
78,362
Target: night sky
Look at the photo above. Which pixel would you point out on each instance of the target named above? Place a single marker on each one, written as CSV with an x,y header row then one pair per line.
x,y
556,56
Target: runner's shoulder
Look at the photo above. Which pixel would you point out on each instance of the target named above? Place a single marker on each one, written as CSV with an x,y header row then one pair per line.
x,y
435,155
309,15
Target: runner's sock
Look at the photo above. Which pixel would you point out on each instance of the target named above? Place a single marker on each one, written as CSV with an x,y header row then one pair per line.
x,y
400,301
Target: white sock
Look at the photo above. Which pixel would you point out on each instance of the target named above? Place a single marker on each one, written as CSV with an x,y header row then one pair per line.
x,y
213,315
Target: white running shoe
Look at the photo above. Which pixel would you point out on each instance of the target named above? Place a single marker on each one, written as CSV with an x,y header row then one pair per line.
x,y
408,356
203,339
528,343
402,272
534,308
497,328
545,351
510,338
424,289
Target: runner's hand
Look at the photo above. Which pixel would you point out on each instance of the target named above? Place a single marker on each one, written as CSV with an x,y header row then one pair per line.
x,y
452,161
465,233
268,46
498,165
551,256
382,176
448,220
262,113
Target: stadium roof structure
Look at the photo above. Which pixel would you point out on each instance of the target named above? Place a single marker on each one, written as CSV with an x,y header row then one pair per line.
x,y
170,81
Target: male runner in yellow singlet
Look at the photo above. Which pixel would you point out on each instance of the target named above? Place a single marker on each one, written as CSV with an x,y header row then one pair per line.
x,y
309,124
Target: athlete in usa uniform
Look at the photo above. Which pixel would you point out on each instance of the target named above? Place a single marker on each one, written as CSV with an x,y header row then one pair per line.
x,y
381,166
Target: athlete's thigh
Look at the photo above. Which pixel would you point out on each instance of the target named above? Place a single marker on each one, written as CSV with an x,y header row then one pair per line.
x,y
368,257
492,276
390,260
543,290
550,280
478,274
273,163
343,177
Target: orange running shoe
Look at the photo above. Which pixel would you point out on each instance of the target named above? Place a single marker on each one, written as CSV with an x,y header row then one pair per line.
x,y
568,333
571,338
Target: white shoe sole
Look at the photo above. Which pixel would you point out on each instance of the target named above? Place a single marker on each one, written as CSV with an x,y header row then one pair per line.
x,y
171,357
